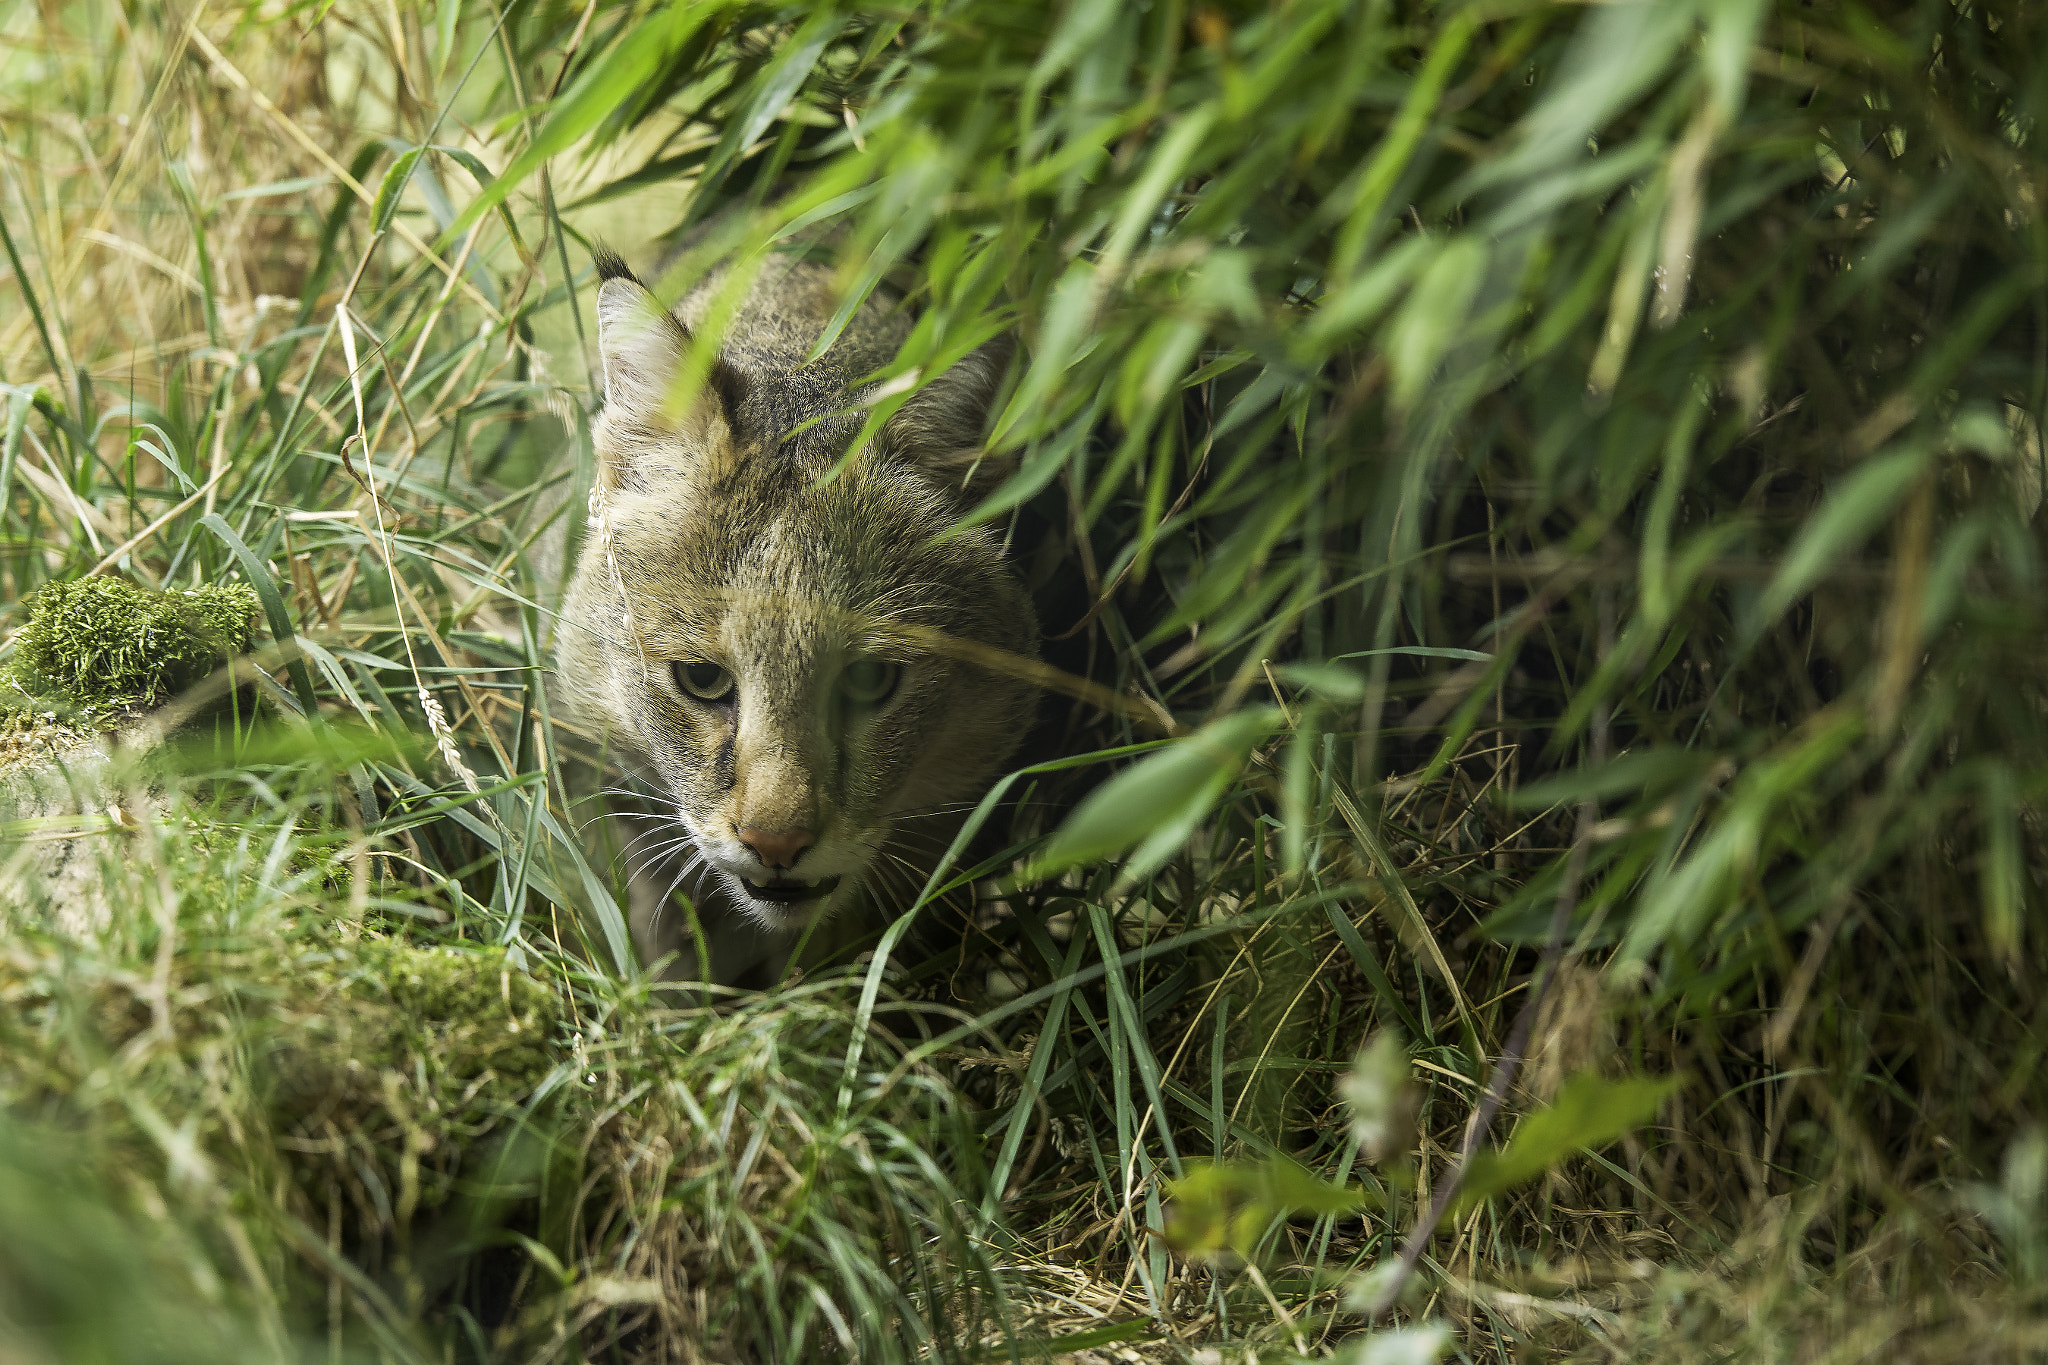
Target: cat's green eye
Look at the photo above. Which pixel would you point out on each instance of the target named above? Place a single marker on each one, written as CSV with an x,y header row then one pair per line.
x,y
868,682
704,681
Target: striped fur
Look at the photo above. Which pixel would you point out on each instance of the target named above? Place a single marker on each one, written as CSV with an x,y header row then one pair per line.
x,y
716,536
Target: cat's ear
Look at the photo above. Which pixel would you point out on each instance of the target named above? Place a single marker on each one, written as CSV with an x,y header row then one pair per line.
x,y
943,427
642,346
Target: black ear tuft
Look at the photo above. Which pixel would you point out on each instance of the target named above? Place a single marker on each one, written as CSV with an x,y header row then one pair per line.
x,y
611,265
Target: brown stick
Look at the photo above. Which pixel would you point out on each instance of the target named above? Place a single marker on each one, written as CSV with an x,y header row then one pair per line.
x,y
1518,1036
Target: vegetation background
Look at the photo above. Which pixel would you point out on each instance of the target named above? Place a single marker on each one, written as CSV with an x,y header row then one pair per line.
x,y
1552,493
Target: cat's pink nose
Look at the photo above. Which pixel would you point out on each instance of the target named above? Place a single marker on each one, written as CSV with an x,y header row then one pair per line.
x,y
778,848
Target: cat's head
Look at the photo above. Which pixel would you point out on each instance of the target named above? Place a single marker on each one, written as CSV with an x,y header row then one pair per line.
x,y
775,624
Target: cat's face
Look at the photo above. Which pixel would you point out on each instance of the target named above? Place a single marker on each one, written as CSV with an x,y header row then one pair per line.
x,y
799,663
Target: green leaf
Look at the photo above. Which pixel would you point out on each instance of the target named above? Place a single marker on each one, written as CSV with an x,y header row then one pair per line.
x,y
328,749
1424,652
1363,299
1157,802
1392,153
392,189
1228,1205
606,85
1433,317
1588,1112
1655,770
273,609
1731,32
2002,876
1424,1344
1853,509
1082,24
773,88
1140,202
1109,1334
1619,52
20,402
1337,684
1059,341
1293,1188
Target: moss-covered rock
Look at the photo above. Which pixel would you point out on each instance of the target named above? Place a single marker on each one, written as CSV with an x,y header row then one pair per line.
x,y
439,1013
99,645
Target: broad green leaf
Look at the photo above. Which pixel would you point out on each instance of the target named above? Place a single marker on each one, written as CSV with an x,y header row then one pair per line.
x,y
1619,52
1433,317
1222,286
1391,154
1731,33
1155,366
1228,1205
446,15
1361,300
777,82
1140,203
274,610
1658,770
1852,510
1109,1334
1059,339
1156,802
1949,574
1682,899
1331,681
1589,1112
20,402
1082,23
1292,1187
331,749
469,161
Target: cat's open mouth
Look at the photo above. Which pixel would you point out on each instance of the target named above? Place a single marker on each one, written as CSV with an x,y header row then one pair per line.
x,y
787,890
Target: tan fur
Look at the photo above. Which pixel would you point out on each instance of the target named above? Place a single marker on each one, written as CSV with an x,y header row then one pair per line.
x,y
714,537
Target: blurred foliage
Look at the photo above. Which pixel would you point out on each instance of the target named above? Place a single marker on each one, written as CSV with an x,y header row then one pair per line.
x,y
1551,464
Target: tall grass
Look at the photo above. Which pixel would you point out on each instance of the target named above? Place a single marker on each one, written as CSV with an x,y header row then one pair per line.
x,y
1570,476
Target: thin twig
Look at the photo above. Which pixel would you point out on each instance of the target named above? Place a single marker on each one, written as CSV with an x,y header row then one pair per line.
x,y
146,532
1510,1059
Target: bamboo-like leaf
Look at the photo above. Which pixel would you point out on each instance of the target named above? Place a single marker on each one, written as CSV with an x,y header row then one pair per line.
x,y
1433,317
1157,802
1852,511
392,189
1589,1111
2001,876
601,88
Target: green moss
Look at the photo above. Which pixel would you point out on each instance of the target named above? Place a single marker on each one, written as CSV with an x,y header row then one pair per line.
x,y
468,1011
382,1035
100,644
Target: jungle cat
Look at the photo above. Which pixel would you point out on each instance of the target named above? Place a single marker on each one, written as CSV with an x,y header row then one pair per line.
x,y
811,683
